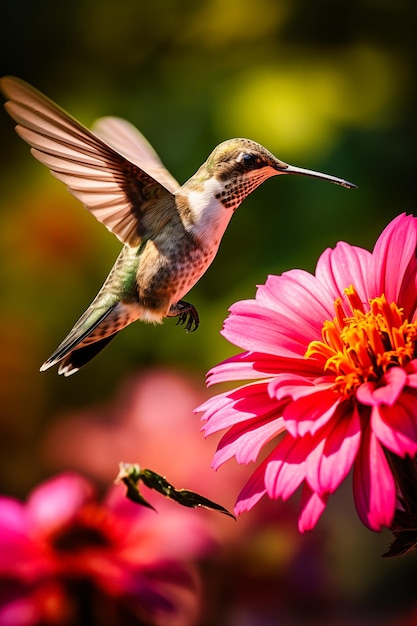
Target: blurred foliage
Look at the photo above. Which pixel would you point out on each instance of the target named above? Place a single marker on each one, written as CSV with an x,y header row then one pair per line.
x,y
324,85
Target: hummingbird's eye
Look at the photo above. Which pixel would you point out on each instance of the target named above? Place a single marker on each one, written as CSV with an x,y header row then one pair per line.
x,y
250,160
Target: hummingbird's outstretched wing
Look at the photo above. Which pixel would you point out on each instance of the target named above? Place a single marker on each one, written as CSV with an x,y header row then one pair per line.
x,y
128,141
128,201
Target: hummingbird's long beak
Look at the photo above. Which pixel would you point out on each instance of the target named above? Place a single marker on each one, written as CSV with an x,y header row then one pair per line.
x,y
292,169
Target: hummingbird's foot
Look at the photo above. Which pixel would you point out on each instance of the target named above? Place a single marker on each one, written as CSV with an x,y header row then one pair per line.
x,y
187,314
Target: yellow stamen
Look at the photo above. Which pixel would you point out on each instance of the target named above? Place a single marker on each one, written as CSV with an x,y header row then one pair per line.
x,y
359,346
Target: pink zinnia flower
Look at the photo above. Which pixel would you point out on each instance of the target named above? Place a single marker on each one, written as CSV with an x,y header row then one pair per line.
x,y
67,558
333,357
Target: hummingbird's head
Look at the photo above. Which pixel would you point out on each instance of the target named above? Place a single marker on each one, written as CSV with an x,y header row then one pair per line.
x,y
241,165
232,171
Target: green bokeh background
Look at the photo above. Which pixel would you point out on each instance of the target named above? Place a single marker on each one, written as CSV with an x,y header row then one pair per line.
x,y
324,85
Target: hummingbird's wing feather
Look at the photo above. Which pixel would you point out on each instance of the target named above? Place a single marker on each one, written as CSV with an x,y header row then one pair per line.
x,y
129,142
121,195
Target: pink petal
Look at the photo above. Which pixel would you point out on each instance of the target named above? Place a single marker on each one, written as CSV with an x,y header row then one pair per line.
x,y
21,611
253,491
285,324
246,440
331,460
239,405
411,370
242,367
407,297
396,426
373,484
309,413
285,468
392,253
253,365
256,328
56,501
387,391
312,506
21,555
13,521
15,542
298,292
247,397
295,387
342,267
290,385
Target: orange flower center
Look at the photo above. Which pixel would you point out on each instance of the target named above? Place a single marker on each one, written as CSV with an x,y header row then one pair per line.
x,y
359,346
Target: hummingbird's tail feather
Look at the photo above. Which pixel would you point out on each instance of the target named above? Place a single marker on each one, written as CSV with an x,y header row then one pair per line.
x,y
83,329
81,356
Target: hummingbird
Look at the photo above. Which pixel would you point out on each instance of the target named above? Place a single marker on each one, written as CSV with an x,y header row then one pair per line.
x,y
170,232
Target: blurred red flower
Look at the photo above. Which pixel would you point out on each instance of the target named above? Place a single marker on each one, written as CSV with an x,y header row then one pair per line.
x,y
68,558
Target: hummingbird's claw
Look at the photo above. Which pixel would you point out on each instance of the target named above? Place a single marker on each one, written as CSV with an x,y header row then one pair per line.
x,y
187,318
187,315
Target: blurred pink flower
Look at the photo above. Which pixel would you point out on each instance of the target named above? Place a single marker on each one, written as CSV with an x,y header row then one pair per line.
x,y
149,412
333,360
67,558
